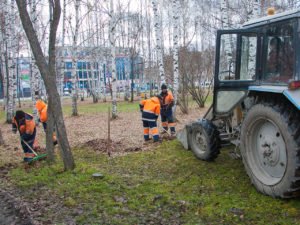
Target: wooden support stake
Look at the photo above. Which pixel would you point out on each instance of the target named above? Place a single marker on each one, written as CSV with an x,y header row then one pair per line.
x,y
108,133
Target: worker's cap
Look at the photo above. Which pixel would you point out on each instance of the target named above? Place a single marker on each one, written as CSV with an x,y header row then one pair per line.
x,y
164,86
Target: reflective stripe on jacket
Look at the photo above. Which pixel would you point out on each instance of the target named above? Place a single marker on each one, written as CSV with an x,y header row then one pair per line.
x,y
42,110
151,109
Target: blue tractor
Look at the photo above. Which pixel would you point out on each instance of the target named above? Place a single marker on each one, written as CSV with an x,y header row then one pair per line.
x,y
256,103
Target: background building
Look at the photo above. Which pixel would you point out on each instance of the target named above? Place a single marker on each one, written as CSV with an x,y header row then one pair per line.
x,y
94,65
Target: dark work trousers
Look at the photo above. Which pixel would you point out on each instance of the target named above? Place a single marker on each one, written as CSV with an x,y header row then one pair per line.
x,y
167,120
150,126
29,138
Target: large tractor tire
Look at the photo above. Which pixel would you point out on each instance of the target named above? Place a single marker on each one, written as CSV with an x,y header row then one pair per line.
x,y
270,149
204,140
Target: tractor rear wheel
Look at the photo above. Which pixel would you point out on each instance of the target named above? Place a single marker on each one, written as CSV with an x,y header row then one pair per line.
x,y
270,150
204,140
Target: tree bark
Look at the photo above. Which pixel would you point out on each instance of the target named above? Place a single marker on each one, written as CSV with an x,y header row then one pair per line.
x,y
112,30
1,138
35,74
48,74
158,35
74,62
176,14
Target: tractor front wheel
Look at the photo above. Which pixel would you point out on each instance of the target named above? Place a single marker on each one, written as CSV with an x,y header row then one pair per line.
x,y
204,140
270,151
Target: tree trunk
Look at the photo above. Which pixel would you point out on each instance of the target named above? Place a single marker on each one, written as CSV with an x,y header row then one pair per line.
x,y
48,74
3,59
176,14
9,108
225,23
74,62
112,31
1,138
62,62
49,134
158,36
254,12
35,74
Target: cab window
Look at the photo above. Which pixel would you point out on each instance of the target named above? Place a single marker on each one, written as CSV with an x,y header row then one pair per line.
x,y
238,55
279,53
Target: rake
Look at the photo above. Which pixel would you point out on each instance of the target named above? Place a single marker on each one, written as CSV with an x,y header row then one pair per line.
x,y
37,156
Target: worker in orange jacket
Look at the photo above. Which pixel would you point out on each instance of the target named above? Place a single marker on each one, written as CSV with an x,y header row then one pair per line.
x,y
150,109
24,123
42,108
167,118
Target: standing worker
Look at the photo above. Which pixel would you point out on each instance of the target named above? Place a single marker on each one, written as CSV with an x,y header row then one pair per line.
x,y
42,108
167,118
150,109
24,123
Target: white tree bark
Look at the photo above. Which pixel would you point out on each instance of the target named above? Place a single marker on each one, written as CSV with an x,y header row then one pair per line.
x,y
176,13
254,13
3,52
11,50
112,30
74,61
62,62
225,24
35,74
158,35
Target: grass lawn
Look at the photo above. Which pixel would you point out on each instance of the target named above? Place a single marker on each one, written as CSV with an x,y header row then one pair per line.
x,y
164,186
87,108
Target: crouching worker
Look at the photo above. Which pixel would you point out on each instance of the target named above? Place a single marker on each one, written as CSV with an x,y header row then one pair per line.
x,y
25,124
42,108
150,109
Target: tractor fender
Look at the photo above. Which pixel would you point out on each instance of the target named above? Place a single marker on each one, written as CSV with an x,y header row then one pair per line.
x,y
292,95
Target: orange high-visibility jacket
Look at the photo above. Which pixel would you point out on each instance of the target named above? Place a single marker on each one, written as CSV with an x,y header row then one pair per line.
x,y
151,109
167,100
42,110
25,126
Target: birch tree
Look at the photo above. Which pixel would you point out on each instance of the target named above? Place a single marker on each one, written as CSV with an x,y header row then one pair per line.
x,y
47,69
62,62
158,32
35,76
112,30
253,13
74,61
225,24
3,52
176,9
11,60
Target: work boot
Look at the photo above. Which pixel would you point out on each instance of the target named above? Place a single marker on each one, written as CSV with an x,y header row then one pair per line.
x,y
173,136
147,141
158,141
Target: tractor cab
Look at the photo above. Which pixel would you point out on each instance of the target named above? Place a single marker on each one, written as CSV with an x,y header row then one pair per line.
x,y
256,103
262,56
